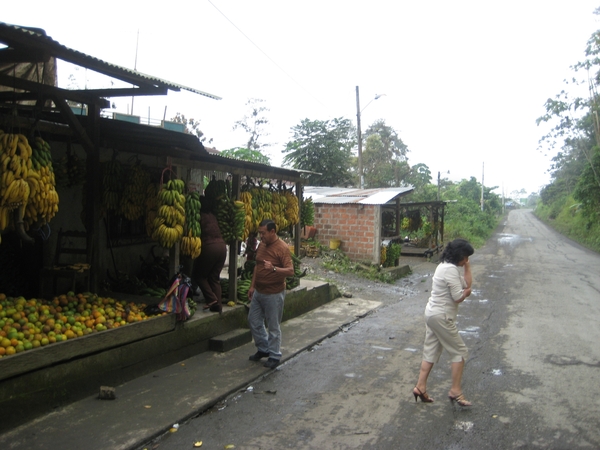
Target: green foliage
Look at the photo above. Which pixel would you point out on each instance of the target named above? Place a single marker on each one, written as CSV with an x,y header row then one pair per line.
x,y
571,202
571,221
307,217
337,261
587,190
247,155
392,255
384,158
324,147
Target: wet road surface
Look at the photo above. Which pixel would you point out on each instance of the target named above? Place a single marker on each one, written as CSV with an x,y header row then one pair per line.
x,y
533,373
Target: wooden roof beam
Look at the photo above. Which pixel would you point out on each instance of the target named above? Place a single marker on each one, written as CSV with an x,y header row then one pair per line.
x,y
50,91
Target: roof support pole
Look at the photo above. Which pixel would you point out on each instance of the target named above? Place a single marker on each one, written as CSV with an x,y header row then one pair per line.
x,y
92,192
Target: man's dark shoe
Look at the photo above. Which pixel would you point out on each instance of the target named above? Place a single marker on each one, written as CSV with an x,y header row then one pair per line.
x,y
258,356
271,363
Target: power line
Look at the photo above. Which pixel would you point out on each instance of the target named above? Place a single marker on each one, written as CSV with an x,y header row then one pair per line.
x,y
264,53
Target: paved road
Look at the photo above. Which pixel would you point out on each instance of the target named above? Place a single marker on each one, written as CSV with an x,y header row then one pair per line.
x,y
533,373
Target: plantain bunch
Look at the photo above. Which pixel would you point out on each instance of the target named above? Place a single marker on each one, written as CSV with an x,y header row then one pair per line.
x,y
26,181
112,185
262,201
191,244
133,200
231,216
43,199
151,207
246,198
292,210
170,217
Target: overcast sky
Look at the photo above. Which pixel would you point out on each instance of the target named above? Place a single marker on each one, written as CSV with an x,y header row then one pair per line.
x,y
464,81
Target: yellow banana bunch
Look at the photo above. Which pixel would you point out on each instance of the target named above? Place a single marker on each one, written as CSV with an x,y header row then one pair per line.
x,y
134,193
261,205
191,246
246,198
43,198
170,217
292,211
22,184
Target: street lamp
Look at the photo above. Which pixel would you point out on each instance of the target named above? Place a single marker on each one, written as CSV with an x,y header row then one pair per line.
x,y
358,111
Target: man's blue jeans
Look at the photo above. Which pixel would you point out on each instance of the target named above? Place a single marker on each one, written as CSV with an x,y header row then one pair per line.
x,y
267,308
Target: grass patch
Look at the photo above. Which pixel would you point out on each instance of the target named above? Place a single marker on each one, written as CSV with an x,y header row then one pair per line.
x,y
338,262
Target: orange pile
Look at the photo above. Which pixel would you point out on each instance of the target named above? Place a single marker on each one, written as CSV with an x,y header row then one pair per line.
x,y
28,324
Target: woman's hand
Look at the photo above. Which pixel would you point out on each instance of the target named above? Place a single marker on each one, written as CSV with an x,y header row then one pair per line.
x,y
466,293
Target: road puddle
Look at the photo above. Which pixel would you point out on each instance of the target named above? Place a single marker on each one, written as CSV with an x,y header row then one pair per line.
x,y
470,331
512,240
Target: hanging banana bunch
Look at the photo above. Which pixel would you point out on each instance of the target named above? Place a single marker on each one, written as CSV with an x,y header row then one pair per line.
x,y
262,200
151,207
170,218
134,193
43,200
191,244
246,198
292,211
26,181
112,185
231,216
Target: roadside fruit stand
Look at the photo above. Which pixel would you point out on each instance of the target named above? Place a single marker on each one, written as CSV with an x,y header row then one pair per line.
x,y
131,190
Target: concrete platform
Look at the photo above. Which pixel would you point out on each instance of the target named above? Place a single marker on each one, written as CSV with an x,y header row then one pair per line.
x,y
148,406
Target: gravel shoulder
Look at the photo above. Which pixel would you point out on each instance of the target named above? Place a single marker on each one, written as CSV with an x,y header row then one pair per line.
x,y
357,286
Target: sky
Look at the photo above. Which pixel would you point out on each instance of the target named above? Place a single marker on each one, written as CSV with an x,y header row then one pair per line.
x,y
461,82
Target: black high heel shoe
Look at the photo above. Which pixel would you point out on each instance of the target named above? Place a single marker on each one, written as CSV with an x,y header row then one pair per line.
x,y
209,305
216,307
425,398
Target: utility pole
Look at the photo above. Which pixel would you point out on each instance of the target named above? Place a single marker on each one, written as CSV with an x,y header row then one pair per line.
x,y
359,132
482,172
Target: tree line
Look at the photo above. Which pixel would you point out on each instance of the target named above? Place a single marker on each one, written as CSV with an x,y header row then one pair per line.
x,y
571,201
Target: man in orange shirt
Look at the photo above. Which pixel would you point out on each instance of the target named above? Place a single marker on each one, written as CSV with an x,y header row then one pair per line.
x,y
267,293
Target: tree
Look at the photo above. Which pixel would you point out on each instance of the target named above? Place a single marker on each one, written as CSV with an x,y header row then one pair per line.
x,y
192,126
247,155
576,130
324,147
384,158
419,176
254,124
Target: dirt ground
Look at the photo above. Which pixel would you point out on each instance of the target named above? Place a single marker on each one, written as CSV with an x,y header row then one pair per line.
x,y
357,286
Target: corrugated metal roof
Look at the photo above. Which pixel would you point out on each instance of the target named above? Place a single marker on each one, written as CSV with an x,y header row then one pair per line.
x,y
15,35
336,195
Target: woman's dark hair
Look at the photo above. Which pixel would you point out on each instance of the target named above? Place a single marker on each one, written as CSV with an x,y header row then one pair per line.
x,y
456,250
206,205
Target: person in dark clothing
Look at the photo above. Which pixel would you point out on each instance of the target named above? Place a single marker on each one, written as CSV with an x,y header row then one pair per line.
x,y
207,267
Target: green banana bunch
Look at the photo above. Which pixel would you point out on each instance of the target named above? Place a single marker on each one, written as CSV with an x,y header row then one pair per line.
x,y
133,200
112,184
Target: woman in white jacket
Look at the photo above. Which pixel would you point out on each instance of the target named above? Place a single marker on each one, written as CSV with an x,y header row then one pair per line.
x,y
449,288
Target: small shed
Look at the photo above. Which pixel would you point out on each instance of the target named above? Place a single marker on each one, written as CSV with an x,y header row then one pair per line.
x,y
364,221
353,217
